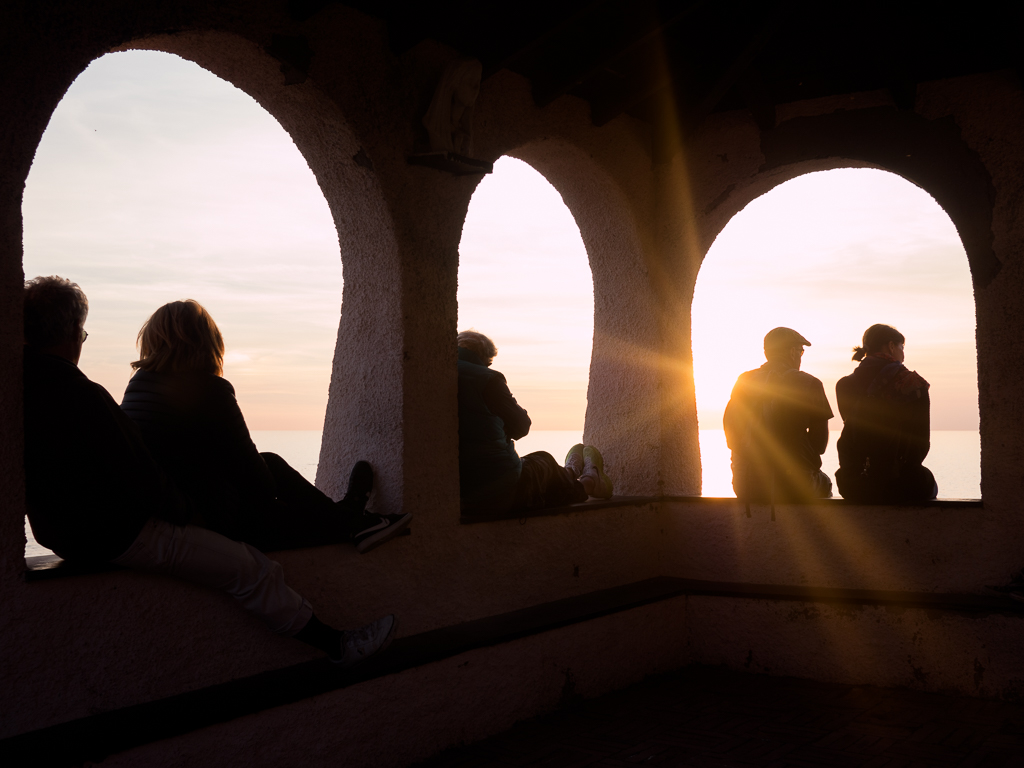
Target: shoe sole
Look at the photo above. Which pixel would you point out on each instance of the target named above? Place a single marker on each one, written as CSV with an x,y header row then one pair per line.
x,y
389,638
578,449
383,536
606,482
380,649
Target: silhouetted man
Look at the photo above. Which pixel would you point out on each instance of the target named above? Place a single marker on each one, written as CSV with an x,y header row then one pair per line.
x,y
776,425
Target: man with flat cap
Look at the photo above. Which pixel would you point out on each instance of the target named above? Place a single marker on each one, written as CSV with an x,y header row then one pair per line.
x,y
776,425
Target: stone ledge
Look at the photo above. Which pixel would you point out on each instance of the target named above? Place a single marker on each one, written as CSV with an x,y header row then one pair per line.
x,y
47,567
983,604
585,506
93,738
826,503
98,736
635,501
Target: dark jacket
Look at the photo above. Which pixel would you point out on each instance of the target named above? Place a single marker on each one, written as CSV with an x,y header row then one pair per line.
x,y
776,425
192,424
886,422
489,420
90,482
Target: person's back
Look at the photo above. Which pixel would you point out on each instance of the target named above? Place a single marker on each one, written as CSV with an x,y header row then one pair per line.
x,y
776,425
492,476
192,424
886,424
489,466
90,482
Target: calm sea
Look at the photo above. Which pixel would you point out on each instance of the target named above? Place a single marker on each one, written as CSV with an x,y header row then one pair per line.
x,y
955,459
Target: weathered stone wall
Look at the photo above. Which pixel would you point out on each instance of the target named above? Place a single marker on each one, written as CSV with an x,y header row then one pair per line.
x,y
101,642
962,145
79,646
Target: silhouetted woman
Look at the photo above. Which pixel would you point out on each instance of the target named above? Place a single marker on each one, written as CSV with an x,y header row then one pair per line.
x,y
492,477
886,428
194,428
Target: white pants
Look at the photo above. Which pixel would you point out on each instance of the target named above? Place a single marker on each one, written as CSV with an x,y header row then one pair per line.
x,y
203,557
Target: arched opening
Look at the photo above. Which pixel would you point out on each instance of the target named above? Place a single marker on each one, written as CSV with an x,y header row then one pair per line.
x,y
155,181
829,254
525,281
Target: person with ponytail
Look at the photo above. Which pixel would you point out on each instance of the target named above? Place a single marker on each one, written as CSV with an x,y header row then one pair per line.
x,y
886,424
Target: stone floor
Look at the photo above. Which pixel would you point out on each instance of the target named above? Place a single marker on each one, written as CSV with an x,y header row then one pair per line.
x,y
713,717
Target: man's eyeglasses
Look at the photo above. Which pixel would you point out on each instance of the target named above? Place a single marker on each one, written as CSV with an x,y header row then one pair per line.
x,y
85,334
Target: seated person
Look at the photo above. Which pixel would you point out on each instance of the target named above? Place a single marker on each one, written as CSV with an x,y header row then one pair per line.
x,y
95,494
195,430
886,424
492,477
776,425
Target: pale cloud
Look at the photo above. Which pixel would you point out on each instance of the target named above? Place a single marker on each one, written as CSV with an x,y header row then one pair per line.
x,y
830,254
157,181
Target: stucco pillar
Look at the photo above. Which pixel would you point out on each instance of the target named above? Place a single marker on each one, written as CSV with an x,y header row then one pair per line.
x,y
989,113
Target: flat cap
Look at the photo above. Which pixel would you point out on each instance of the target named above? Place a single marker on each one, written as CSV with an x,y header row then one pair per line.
x,y
783,338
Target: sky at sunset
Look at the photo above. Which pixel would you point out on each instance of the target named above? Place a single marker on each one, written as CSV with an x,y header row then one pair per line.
x,y
830,254
157,181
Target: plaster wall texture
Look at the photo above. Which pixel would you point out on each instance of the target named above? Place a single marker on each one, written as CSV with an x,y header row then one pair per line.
x,y
97,643
861,645
472,696
924,549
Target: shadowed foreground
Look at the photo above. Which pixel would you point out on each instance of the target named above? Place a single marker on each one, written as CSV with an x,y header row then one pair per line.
x,y
706,716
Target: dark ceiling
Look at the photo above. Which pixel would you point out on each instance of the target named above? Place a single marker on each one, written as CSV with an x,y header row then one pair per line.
x,y
684,59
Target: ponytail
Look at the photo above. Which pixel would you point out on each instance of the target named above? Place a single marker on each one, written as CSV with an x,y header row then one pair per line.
x,y
876,338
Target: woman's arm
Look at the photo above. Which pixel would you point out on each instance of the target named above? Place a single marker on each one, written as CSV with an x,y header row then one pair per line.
x,y
233,439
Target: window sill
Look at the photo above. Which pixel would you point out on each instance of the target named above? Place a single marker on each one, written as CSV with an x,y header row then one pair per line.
x,y
713,501
47,567
727,500
585,506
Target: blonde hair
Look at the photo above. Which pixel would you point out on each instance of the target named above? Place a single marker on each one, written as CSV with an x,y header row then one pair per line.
x,y
180,337
479,345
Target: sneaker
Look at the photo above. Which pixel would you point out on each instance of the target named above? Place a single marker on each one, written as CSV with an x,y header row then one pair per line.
x,y
360,644
371,530
593,466
360,484
574,460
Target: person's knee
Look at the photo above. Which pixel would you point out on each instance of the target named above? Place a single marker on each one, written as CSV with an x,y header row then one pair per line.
x,y
273,460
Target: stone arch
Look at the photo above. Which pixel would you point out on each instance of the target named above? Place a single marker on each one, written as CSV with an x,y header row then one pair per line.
x,y
364,407
360,421
622,390
956,185
928,153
